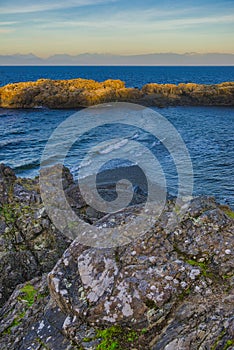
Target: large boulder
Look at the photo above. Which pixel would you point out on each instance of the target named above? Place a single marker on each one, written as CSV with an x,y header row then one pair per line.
x,y
170,282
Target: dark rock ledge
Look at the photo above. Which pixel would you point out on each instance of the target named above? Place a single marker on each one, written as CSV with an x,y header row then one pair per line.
x,y
171,289
77,93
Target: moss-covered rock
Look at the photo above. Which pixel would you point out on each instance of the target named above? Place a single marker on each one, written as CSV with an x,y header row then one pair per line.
x,y
29,244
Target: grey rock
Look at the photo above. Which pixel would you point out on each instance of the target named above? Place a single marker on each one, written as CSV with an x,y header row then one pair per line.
x,y
30,323
170,281
30,244
171,288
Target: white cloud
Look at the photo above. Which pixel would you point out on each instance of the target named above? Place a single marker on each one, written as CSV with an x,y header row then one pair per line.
x,y
7,23
47,6
204,20
116,22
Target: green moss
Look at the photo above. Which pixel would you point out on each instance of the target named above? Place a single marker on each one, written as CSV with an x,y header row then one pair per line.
x,y
87,340
220,337
202,265
16,322
228,344
28,184
108,344
229,213
8,213
29,293
185,293
14,210
109,338
113,338
177,209
132,336
226,277
26,209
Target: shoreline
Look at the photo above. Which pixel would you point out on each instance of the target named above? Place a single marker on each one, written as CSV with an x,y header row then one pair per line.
x,y
78,93
107,179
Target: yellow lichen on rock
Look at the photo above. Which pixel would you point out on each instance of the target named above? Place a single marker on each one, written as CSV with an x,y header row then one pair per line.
x,y
79,92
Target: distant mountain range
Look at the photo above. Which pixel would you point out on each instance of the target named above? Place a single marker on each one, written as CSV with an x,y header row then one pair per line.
x,y
108,59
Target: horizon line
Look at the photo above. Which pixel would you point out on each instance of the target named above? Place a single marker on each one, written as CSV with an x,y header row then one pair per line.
x,y
117,65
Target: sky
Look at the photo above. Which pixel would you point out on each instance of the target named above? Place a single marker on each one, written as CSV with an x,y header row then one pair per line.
x,y
121,27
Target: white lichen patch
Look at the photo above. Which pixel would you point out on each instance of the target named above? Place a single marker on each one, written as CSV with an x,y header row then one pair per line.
x,y
107,306
55,282
96,280
160,297
63,292
67,322
125,298
127,310
41,325
194,273
66,262
109,319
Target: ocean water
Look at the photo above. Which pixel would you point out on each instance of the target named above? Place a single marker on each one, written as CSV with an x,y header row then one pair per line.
x,y
132,76
206,131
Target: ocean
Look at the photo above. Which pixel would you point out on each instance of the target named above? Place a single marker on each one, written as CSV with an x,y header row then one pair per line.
x,y
132,76
206,131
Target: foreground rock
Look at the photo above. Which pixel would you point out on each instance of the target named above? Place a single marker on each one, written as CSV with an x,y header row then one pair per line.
x,y
29,243
170,289
176,285
82,93
32,320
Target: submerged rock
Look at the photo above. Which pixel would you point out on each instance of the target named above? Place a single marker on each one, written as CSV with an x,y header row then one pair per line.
x,y
171,288
82,93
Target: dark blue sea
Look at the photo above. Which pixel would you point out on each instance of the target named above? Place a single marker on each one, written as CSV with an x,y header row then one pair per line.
x,y
206,131
132,76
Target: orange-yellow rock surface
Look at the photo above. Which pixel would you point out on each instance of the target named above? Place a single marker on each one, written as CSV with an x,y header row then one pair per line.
x,y
81,93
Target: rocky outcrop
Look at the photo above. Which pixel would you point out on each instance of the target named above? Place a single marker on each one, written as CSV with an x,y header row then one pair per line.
x,y
171,288
31,320
29,244
82,93
173,284
191,94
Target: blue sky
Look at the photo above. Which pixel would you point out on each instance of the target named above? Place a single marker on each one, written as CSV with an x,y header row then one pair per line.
x,y
116,26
